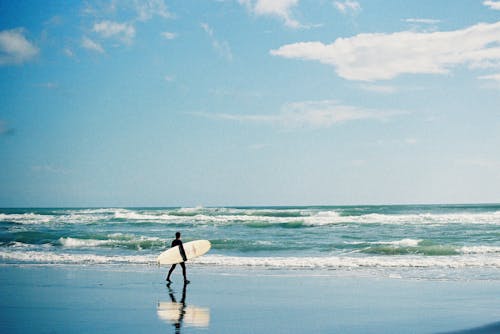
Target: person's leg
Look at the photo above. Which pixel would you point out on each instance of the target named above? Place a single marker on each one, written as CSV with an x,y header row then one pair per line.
x,y
183,265
170,272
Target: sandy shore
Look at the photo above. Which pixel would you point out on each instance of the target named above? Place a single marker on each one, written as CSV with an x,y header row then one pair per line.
x,y
121,299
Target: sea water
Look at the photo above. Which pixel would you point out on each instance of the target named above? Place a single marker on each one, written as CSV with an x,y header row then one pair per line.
x,y
419,241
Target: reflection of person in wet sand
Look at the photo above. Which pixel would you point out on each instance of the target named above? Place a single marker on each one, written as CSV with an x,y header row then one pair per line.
x,y
182,309
179,314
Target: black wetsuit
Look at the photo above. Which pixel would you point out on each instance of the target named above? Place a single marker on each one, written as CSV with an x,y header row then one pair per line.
x,y
178,242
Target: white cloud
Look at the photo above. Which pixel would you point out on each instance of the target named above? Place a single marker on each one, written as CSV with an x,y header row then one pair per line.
x,y
279,8
68,52
123,31
222,47
169,35
495,5
89,44
380,56
147,9
15,48
348,6
495,77
312,114
422,21
328,112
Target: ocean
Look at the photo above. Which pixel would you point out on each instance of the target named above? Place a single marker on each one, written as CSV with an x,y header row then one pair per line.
x,y
449,242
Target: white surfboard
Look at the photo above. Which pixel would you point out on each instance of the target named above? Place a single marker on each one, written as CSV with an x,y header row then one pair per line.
x,y
192,249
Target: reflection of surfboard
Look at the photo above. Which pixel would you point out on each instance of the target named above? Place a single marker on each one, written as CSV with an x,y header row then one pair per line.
x,y
193,316
193,249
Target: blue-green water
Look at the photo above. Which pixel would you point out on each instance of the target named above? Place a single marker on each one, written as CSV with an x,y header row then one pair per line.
x,y
428,239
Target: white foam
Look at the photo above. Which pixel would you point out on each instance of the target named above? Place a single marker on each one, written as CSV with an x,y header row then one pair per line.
x,y
115,239
333,217
479,250
66,258
78,243
133,215
352,262
331,262
400,243
403,242
308,217
26,218
428,218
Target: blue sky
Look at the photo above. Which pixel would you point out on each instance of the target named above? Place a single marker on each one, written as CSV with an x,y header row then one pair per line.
x,y
249,102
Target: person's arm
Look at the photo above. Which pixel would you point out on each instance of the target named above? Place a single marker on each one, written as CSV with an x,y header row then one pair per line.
x,y
183,253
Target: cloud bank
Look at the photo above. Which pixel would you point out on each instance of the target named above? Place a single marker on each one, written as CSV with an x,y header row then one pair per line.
x,y
381,56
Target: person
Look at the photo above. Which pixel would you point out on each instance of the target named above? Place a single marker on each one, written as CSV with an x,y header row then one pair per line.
x,y
178,242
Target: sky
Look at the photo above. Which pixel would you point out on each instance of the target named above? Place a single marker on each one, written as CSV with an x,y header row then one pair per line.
x,y
249,102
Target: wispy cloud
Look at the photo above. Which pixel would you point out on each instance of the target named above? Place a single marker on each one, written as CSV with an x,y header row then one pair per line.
x,y
422,24
491,81
135,10
495,5
146,10
310,114
348,7
68,52
169,35
125,32
15,48
495,77
89,44
422,21
277,8
221,47
380,56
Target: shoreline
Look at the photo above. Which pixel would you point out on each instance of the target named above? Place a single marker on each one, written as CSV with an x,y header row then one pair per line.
x,y
118,298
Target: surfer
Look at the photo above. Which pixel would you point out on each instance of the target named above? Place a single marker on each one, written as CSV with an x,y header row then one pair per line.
x,y
177,242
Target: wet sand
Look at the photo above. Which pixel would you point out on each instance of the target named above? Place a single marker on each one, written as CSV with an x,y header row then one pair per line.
x,y
135,299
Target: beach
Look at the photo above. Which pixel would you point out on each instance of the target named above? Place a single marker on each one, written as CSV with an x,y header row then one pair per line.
x,y
337,269
127,299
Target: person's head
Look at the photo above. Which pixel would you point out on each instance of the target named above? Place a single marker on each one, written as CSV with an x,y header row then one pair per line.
x,y
178,235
